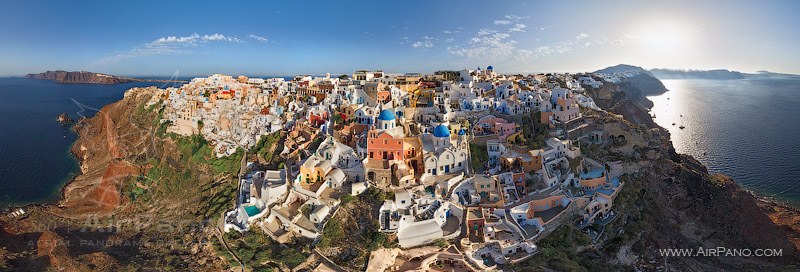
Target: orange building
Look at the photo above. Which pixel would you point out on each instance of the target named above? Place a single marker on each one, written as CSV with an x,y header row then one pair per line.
x,y
383,146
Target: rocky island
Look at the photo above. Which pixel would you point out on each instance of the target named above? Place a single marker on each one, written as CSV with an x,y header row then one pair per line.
x,y
64,119
84,77
586,181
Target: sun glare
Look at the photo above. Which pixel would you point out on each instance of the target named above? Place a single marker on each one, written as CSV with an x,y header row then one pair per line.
x,y
664,35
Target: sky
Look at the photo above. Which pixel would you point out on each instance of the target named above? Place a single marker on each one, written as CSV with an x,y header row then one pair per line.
x,y
189,38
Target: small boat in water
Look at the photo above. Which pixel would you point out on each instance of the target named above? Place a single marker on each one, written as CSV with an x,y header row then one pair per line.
x,y
673,124
681,127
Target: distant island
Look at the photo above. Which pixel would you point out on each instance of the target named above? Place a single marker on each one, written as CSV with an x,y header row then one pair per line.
x,y
716,74
698,74
84,77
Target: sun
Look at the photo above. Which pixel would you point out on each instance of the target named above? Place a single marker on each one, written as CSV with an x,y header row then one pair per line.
x,y
664,35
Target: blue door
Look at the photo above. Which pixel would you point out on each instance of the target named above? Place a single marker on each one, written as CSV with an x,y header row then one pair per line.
x,y
447,168
434,172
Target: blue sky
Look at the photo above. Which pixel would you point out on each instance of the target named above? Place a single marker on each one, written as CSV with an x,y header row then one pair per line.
x,y
284,38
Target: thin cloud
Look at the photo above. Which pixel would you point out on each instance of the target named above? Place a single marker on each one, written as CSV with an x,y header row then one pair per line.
x,y
518,28
170,45
515,17
258,38
543,28
486,31
426,42
502,22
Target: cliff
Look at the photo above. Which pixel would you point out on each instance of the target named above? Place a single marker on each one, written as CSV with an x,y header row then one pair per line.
x,y
672,201
80,77
141,196
83,77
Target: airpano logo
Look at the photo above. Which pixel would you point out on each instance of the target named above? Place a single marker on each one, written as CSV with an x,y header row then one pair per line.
x,y
720,252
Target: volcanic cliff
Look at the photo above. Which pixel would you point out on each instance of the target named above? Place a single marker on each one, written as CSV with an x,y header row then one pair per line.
x,y
60,76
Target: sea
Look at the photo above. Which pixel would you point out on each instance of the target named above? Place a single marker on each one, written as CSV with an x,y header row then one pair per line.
x,y
35,158
748,129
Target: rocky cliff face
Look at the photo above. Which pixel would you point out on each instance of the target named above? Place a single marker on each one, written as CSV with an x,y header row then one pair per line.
x,y
119,213
671,201
80,77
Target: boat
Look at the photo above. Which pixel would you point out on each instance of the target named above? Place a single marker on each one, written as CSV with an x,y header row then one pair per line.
x,y
681,127
673,124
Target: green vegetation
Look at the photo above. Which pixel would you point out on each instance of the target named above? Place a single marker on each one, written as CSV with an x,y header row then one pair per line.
x,y
346,199
257,250
559,251
479,156
442,243
333,230
269,147
219,202
636,203
134,188
354,230
534,130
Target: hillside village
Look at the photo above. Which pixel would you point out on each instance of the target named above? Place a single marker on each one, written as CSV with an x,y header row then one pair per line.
x,y
486,163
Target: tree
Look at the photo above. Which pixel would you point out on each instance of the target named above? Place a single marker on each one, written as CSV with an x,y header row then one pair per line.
x,y
337,118
343,77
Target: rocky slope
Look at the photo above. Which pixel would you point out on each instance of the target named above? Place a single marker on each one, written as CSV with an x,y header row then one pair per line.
x,y
135,206
671,201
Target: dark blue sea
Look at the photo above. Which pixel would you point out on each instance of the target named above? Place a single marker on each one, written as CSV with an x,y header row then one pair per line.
x,y
748,129
35,161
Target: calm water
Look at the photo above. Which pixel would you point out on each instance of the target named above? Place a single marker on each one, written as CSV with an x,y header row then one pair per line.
x,y
748,129
34,154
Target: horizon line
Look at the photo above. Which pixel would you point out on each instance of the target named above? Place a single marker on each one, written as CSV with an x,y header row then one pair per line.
x,y
335,74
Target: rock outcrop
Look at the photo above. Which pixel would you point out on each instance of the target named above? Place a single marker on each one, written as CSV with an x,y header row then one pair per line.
x,y
84,77
60,76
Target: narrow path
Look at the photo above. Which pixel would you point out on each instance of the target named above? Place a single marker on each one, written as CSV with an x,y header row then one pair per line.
x,y
218,233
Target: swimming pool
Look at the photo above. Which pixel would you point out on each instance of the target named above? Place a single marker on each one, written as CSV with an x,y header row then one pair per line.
x,y
252,210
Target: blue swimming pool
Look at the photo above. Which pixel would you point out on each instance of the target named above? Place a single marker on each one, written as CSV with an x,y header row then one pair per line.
x,y
252,210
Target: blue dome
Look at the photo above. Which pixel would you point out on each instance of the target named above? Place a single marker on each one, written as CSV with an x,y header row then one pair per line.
x,y
386,115
441,131
462,132
489,68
